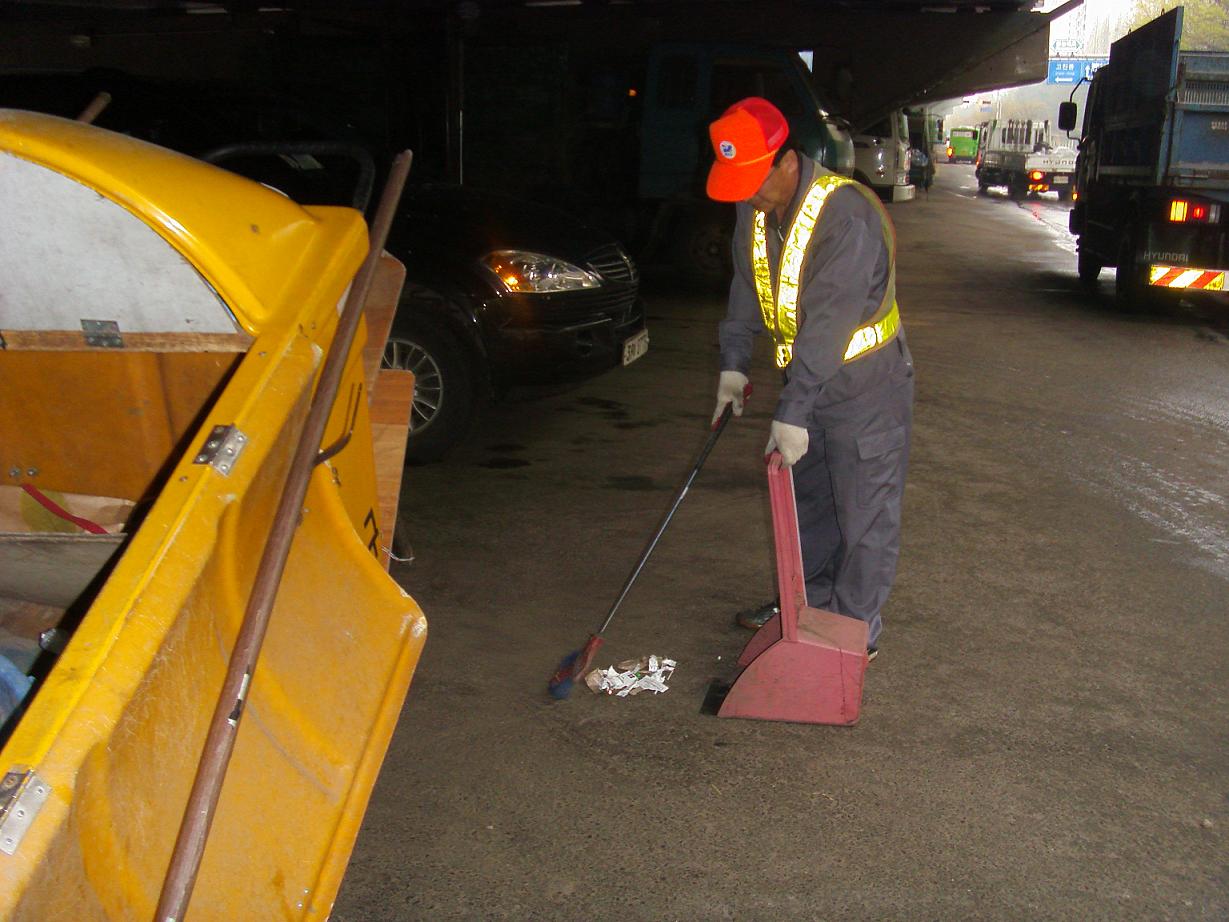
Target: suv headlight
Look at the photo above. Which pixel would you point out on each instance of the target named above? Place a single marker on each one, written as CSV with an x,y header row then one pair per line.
x,y
537,273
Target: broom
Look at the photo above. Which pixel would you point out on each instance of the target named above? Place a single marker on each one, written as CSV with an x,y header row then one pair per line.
x,y
573,666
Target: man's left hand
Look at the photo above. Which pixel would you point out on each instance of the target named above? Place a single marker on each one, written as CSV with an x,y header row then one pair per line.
x,y
791,441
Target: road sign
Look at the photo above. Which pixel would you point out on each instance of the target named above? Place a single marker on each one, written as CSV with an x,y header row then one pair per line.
x,y
1071,70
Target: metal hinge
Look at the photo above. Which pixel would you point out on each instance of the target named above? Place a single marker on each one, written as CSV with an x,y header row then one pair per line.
x,y
103,333
222,449
22,795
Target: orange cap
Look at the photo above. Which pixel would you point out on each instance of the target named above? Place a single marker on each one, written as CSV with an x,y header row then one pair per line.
x,y
745,139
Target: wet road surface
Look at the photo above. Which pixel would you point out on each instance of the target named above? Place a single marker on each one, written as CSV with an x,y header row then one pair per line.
x,y
1044,734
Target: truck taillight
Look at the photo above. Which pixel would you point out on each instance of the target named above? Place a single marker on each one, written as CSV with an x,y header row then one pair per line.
x,y
1035,175
1182,211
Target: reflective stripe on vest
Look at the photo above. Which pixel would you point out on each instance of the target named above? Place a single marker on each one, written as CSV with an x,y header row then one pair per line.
x,y
781,313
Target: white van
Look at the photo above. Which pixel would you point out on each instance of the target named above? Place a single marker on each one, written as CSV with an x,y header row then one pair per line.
x,y
881,158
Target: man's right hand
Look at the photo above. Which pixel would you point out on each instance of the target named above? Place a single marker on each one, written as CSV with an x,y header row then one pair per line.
x,y
730,389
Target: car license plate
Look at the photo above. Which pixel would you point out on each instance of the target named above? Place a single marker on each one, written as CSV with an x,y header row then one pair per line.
x,y
635,347
1059,181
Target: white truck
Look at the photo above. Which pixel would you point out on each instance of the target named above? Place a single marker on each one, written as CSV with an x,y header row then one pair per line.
x,y
1020,155
881,158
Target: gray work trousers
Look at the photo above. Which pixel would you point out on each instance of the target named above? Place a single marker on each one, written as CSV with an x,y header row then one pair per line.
x,y
848,488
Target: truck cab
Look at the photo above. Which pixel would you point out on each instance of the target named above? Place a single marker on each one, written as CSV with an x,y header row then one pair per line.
x,y
1152,183
881,158
1020,155
686,87
619,133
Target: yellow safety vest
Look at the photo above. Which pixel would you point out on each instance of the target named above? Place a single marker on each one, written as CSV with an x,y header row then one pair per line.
x,y
781,313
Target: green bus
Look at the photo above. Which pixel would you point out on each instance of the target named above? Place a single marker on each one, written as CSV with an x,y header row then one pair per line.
x,y
962,145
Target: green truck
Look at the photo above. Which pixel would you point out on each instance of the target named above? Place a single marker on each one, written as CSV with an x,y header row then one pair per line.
x,y
962,145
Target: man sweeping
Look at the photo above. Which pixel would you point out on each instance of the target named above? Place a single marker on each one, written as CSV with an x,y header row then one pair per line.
x,y
814,265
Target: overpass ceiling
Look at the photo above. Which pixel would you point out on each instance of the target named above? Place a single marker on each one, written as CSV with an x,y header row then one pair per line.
x,y
871,56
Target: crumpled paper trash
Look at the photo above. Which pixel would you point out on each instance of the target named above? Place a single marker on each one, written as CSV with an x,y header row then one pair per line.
x,y
631,677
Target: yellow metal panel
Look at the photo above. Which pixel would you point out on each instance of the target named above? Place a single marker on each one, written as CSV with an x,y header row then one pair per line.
x,y
117,727
251,244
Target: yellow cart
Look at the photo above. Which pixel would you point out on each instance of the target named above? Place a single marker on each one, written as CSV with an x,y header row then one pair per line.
x,y
163,323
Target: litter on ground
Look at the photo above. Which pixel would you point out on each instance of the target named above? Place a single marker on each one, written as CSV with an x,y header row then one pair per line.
x,y
630,677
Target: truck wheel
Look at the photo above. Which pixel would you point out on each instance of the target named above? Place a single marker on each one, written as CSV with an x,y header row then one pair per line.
x,y
1131,289
443,386
1088,268
1016,189
703,253
983,188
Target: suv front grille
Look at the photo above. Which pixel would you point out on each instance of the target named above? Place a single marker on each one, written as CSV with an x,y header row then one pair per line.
x,y
612,264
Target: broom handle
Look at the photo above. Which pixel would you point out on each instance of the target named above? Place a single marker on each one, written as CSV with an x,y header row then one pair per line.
x,y
220,742
678,500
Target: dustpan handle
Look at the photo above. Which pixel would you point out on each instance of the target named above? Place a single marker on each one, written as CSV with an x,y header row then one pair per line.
x,y
790,584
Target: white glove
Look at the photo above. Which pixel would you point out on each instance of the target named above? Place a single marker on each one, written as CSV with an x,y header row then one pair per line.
x,y
730,389
791,441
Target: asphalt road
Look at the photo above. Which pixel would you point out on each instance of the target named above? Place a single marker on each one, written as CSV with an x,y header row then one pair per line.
x,y
1044,734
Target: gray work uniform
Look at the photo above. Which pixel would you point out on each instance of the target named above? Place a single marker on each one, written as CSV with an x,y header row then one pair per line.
x,y
858,414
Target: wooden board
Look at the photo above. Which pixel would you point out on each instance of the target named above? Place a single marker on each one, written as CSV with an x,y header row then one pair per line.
x,y
52,569
74,341
27,620
102,421
381,307
392,398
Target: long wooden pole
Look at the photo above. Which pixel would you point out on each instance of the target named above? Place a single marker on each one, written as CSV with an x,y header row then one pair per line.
x,y
94,109
224,727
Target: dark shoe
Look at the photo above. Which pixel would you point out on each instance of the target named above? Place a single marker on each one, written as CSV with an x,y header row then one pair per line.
x,y
871,653
755,618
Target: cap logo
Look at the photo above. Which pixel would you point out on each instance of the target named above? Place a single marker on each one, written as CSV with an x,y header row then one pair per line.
x,y
727,150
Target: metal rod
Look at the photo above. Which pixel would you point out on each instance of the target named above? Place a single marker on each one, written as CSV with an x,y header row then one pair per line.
x,y
678,501
215,756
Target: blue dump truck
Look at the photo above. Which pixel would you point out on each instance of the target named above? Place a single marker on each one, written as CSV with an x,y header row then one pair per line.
x,y
616,132
1152,177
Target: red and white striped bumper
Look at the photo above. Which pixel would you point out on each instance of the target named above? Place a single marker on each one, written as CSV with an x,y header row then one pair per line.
x,y
1186,277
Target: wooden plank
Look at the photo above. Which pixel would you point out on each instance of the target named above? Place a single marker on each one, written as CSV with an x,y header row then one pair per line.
x,y
381,308
101,421
52,569
28,619
391,400
74,341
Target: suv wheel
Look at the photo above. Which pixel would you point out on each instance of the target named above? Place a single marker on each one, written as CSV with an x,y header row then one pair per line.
x,y
443,387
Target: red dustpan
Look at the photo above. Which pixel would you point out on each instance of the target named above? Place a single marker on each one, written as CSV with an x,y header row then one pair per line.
x,y
805,665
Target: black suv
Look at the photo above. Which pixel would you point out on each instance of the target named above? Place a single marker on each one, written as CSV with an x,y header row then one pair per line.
x,y
498,291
